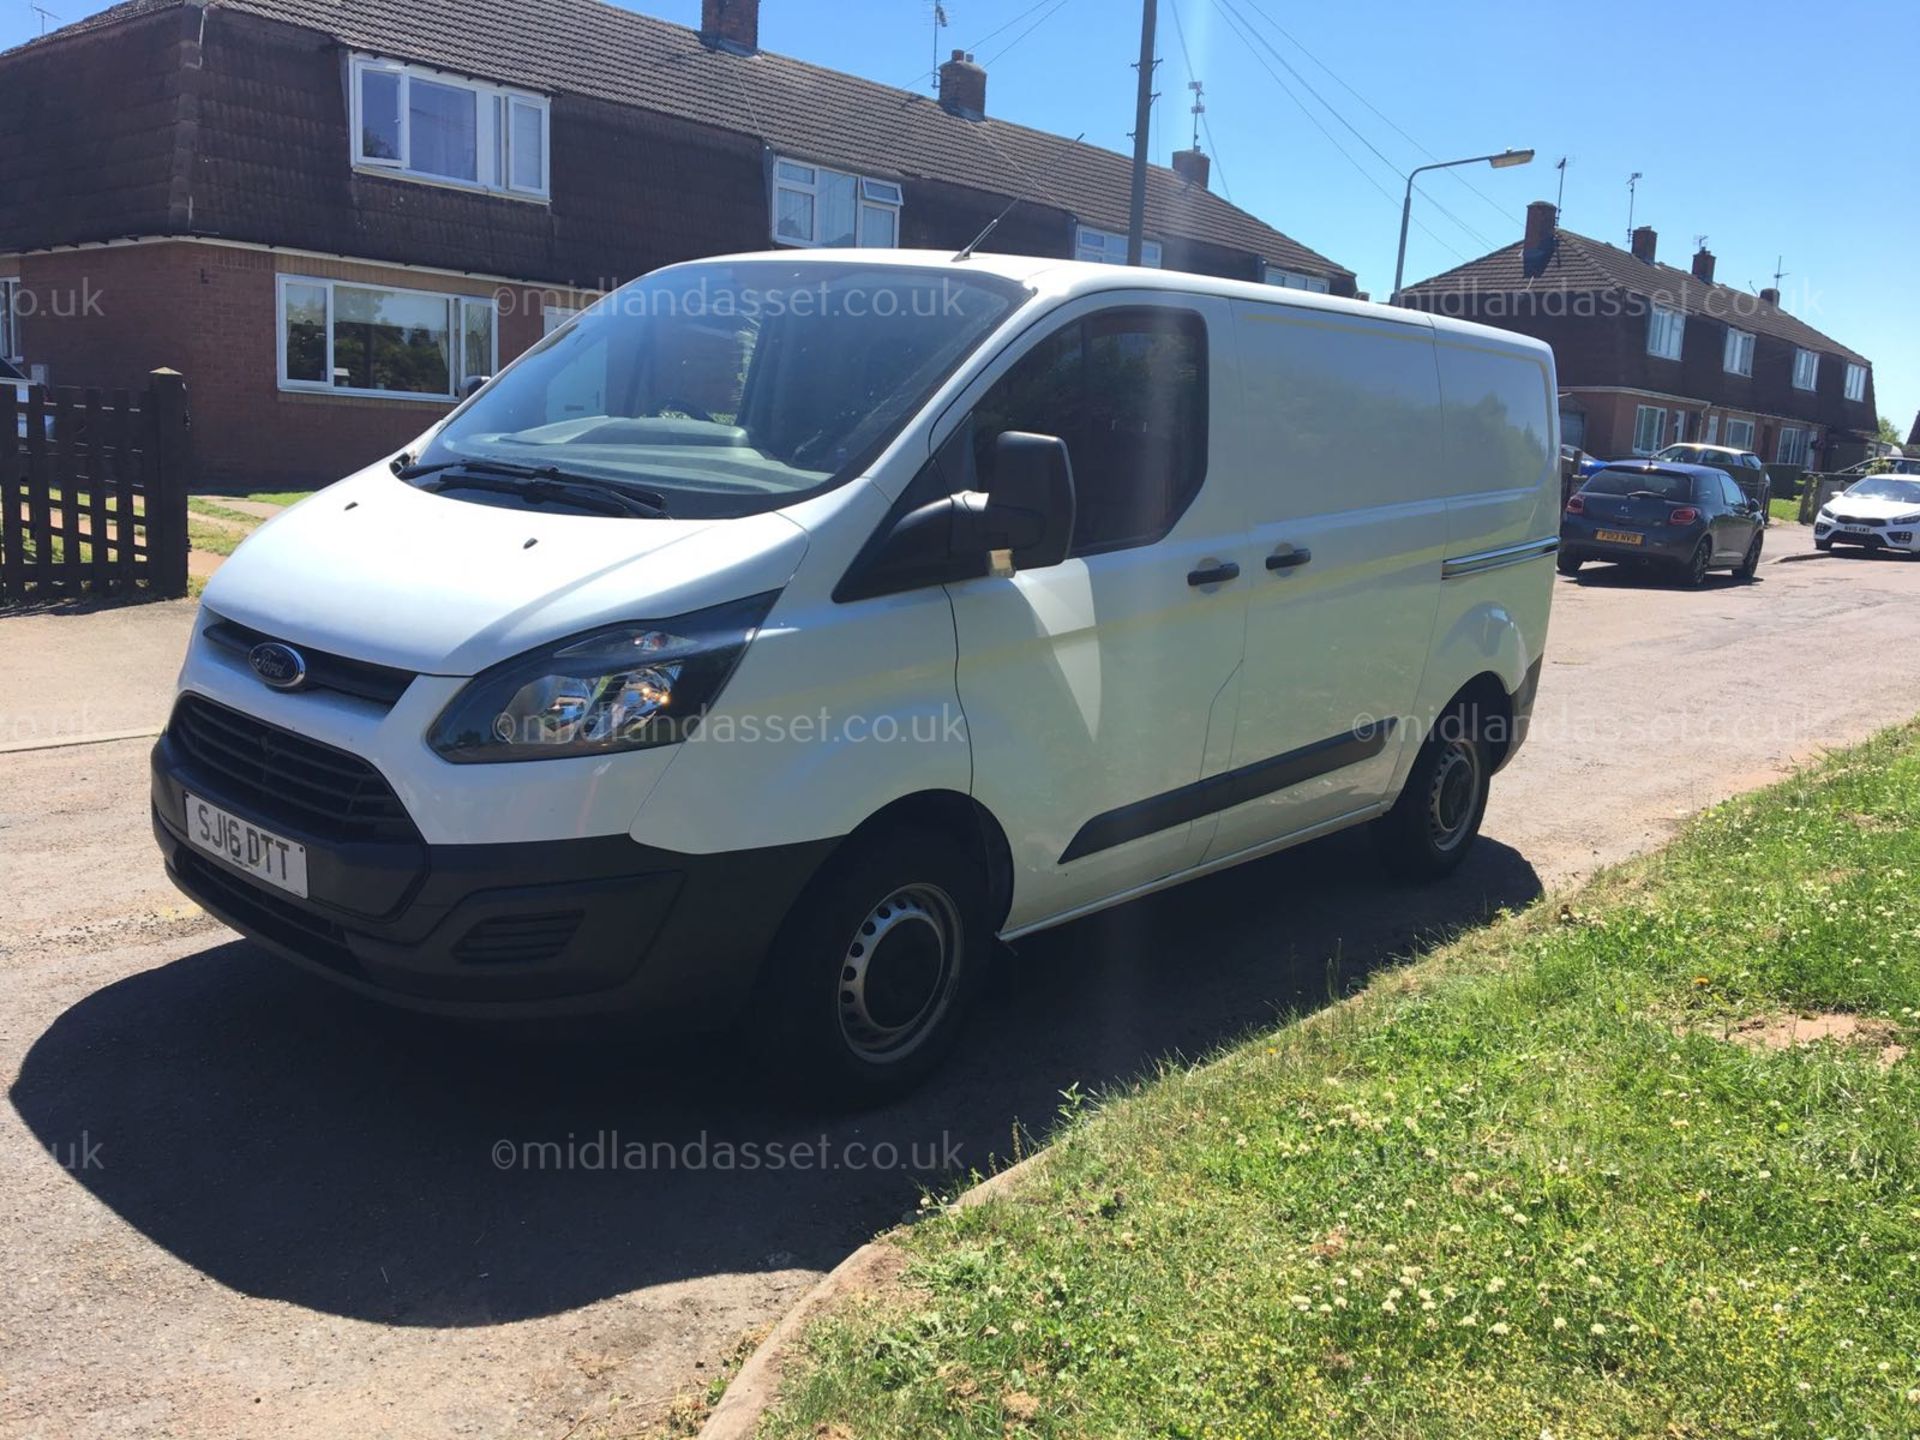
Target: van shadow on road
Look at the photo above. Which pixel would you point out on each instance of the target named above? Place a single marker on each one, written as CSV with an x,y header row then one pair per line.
x,y
291,1141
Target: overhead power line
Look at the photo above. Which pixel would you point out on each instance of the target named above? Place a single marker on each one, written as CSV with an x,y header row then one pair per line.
x,y
1193,78
1505,212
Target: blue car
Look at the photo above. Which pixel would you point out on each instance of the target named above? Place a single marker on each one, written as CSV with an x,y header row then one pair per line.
x,y
1685,519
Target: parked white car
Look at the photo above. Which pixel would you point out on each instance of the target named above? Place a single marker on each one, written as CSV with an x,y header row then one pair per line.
x,y
787,627
1881,512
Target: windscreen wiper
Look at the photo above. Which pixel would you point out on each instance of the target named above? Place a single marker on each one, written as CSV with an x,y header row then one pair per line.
x,y
536,481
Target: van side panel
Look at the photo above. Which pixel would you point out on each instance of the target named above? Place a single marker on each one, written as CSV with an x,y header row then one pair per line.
x,y
1339,423
1499,466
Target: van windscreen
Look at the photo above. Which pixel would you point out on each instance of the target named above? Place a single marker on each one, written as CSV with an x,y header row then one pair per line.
x,y
727,389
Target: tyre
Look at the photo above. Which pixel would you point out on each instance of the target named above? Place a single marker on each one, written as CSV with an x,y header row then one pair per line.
x,y
1751,565
1567,563
1694,574
870,979
1433,823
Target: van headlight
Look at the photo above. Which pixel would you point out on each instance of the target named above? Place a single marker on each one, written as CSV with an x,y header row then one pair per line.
x,y
624,687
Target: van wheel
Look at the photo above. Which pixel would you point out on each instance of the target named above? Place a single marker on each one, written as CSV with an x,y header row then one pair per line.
x,y
1751,565
1433,823
1567,563
870,980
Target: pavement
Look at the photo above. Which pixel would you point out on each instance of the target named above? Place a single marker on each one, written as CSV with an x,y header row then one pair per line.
x,y
241,1204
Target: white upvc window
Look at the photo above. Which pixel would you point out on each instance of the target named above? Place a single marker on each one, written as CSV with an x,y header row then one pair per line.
x,y
1738,359
1712,437
345,338
1806,369
813,205
1293,280
1649,429
1793,446
1666,329
1105,247
10,348
430,125
1856,382
1739,433
552,317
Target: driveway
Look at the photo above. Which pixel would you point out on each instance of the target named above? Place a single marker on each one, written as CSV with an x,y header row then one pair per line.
x,y
241,1204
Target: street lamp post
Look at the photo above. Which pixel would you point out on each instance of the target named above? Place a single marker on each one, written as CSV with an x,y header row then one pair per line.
x,y
1498,162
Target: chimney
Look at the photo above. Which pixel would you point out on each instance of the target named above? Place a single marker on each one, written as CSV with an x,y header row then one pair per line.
x,y
1771,297
731,25
1644,239
1537,248
1192,166
1703,266
963,87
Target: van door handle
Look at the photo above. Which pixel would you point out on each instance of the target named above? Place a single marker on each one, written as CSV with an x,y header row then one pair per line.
x,y
1213,574
1287,559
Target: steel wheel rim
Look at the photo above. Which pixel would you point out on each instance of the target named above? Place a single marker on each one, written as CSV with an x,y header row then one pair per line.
x,y
898,973
1453,795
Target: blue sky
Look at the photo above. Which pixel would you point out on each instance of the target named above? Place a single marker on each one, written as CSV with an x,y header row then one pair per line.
x,y
1730,112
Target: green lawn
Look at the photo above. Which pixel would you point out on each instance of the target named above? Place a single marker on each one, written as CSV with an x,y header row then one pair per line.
x,y
1788,510
1528,1186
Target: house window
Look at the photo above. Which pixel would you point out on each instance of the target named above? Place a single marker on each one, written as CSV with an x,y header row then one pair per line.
x,y
9,320
1739,355
1649,429
1856,382
552,317
1104,247
1739,433
1665,331
1806,369
816,206
1293,280
1793,446
371,340
1712,437
408,120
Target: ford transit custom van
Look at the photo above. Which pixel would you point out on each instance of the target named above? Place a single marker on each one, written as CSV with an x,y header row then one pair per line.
x,y
785,629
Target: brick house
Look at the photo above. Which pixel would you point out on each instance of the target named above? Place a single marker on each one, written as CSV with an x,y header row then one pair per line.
x,y
1649,354
331,217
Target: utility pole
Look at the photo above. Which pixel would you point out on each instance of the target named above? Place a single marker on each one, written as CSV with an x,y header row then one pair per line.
x,y
1142,120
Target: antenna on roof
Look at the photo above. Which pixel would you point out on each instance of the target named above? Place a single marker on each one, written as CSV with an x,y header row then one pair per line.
x,y
1778,273
975,243
1558,200
1199,90
44,14
1633,188
939,19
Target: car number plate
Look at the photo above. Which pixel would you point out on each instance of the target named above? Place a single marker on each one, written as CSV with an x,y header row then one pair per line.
x,y
1856,529
261,853
1619,537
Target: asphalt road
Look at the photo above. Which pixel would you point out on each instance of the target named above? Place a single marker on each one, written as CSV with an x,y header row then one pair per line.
x,y
238,1203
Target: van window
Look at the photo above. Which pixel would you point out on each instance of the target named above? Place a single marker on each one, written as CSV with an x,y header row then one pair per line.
x,y
731,388
1127,390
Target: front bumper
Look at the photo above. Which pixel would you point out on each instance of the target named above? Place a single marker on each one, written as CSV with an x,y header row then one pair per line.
x,y
1904,539
548,927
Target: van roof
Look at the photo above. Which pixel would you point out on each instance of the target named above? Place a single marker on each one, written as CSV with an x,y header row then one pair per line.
x,y
1065,278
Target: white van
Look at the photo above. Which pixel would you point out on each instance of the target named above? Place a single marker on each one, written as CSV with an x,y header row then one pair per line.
x,y
779,632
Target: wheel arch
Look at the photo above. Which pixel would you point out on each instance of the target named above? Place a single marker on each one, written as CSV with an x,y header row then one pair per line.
x,y
956,814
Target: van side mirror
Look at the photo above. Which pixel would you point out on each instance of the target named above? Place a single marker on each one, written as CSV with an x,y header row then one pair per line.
x,y
1029,509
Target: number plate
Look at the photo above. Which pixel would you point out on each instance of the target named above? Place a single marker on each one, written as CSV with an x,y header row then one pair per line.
x,y
245,846
1619,537
1856,529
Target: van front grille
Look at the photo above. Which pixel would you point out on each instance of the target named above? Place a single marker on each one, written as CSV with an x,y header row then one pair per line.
x,y
280,775
517,939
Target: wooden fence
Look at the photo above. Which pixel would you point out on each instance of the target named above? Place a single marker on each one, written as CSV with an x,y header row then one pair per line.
x,y
93,490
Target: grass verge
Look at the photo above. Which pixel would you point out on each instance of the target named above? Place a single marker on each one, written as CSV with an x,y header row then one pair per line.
x,y
1532,1185
1787,510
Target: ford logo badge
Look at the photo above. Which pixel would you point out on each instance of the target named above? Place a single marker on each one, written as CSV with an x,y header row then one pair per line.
x,y
281,666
